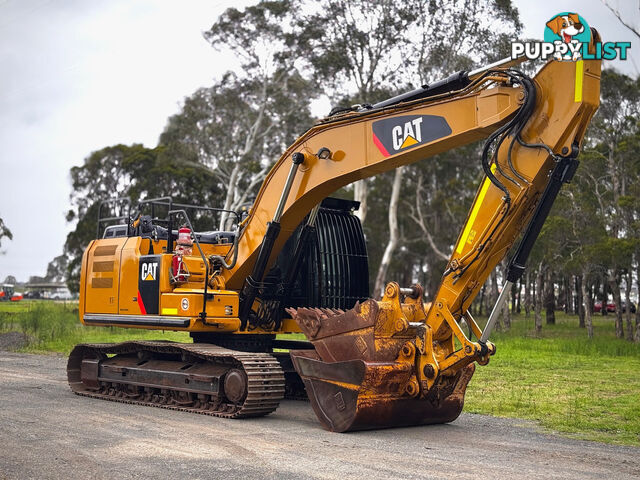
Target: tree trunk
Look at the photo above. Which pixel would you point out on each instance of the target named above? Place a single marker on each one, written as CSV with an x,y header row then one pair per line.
x,y
561,294
586,300
627,304
550,299
494,298
228,200
393,232
615,289
527,293
580,305
538,299
636,337
481,303
360,191
603,299
506,314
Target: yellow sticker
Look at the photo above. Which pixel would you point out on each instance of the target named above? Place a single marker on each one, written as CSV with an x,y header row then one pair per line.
x,y
577,97
169,311
474,213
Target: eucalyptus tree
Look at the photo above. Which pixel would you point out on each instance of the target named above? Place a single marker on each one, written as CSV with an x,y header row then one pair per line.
x,y
238,127
613,138
254,113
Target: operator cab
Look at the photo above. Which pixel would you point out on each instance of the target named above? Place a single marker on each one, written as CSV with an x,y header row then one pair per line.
x,y
113,231
155,226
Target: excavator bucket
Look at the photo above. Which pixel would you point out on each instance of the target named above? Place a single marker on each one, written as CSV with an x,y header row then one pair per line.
x,y
357,378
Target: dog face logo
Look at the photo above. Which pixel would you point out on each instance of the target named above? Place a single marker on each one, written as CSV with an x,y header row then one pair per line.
x,y
397,134
566,26
568,31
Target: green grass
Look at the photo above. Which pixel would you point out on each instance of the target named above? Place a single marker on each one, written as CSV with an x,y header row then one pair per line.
x,y
55,327
16,307
588,389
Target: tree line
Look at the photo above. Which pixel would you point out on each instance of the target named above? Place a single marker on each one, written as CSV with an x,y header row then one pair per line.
x,y
217,149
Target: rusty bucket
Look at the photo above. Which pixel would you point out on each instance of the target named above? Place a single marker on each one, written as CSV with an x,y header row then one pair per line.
x,y
356,379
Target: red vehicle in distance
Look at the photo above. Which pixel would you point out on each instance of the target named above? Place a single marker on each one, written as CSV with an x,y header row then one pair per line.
x,y
611,307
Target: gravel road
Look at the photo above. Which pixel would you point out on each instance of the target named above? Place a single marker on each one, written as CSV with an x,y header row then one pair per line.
x,y
47,432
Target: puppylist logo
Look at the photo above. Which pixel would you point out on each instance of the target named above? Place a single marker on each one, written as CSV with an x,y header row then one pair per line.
x,y
566,38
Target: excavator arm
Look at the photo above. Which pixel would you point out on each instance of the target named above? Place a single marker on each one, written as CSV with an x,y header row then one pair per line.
x,y
534,128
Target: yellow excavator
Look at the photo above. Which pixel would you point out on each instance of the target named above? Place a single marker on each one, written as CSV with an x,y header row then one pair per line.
x,y
297,263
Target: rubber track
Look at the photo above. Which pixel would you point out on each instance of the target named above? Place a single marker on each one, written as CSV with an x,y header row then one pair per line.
x,y
265,378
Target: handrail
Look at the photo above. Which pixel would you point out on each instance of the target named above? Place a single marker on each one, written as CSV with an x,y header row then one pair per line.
x,y
203,314
102,220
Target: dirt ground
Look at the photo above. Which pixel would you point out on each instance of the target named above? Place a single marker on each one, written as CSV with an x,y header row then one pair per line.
x,y
13,341
47,432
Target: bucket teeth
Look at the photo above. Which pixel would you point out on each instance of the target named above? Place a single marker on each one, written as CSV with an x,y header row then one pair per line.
x,y
315,313
318,323
322,322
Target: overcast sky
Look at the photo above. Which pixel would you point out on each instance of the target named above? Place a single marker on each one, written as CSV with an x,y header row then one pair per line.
x,y
79,75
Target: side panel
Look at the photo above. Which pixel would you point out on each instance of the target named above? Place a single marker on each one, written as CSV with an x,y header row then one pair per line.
x,y
102,276
83,280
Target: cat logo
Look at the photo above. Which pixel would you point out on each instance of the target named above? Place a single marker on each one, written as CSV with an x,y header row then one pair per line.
x,y
396,134
148,271
407,135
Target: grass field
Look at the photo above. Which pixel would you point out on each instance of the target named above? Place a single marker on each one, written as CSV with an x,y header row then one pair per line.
x,y
583,388
55,327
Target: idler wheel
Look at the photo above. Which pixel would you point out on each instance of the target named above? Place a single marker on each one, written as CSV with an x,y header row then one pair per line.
x,y
235,385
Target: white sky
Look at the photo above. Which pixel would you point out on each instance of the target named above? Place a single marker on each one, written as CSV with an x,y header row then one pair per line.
x,y
79,75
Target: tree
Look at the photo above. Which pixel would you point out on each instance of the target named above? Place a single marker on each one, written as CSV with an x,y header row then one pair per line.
x,y
436,198
238,127
359,52
4,232
243,123
634,27
538,300
57,269
367,48
219,147
614,135
357,49
393,237
349,47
